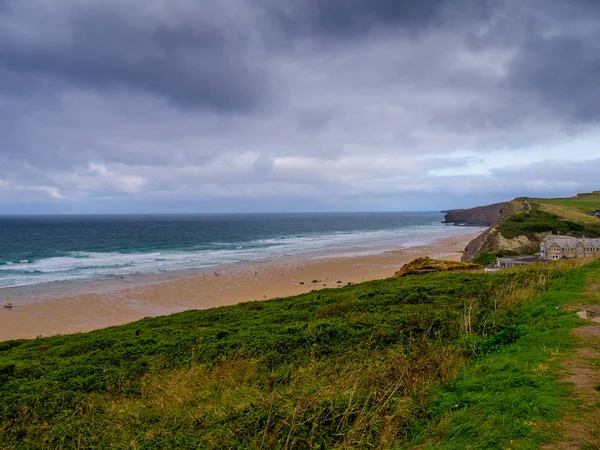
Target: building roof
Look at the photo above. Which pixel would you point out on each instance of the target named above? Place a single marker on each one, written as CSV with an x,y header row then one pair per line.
x,y
569,240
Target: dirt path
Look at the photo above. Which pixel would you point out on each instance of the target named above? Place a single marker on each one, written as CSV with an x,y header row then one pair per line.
x,y
582,424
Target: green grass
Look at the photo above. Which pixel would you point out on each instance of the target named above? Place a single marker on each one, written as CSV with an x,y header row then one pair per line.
x,y
566,216
537,221
485,259
445,360
511,398
586,202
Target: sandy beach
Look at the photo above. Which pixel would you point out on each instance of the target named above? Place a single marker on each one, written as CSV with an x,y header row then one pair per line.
x,y
63,308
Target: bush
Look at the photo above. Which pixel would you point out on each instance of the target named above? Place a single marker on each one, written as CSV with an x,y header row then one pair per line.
x,y
536,221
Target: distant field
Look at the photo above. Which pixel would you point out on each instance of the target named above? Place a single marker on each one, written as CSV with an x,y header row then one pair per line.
x,y
570,213
587,203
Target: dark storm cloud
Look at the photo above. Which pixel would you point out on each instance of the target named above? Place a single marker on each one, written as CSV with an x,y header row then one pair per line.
x,y
190,62
210,57
347,18
563,73
340,99
556,67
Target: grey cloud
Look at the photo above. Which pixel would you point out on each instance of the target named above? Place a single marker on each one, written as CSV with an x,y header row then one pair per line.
x,y
263,164
314,120
557,178
562,73
348,18
191,62
582,173
556,63
344,100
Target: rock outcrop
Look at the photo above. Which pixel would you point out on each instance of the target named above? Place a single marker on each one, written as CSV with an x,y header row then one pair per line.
x,y
491,240
424,265
484,216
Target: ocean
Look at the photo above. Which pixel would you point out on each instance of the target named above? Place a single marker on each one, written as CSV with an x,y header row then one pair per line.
x,y
45,249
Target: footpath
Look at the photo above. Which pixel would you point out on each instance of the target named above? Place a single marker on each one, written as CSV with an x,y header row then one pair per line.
x,y
581,424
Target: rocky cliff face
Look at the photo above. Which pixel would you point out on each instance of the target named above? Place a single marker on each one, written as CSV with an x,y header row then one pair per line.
x,y
492,241
480,216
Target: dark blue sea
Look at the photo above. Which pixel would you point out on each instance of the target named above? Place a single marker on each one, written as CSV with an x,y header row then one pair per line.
x,y
42,249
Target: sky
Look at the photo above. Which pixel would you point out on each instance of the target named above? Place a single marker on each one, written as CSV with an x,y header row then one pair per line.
x,y
132,106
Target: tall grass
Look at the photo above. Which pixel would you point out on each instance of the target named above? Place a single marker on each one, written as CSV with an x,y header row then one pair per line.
x,y
511,397
344,368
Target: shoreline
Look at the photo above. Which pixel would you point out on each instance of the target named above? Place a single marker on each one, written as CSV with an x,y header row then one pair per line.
x,y
41,310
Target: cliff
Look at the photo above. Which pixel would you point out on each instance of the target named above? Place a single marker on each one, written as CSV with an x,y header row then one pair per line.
x,y
492,241
478,216
522,223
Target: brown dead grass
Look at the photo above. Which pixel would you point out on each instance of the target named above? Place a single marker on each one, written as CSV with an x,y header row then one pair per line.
x,y
425,265
569,213
369,393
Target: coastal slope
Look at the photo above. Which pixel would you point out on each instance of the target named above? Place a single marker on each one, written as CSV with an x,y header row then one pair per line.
x,y
524,222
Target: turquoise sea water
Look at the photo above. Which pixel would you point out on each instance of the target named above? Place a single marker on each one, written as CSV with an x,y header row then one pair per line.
x,y
65,248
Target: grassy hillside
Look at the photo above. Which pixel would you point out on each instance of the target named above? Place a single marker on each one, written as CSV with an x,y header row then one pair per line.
x,y
586,203
569,216
445,359
539,221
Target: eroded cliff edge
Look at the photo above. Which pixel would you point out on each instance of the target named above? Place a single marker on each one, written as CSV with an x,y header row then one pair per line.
x,y
491,240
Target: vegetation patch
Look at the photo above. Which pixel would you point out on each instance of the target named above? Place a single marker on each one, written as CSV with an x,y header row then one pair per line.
x,y
509,398
537,221
486,259
425,265
587,202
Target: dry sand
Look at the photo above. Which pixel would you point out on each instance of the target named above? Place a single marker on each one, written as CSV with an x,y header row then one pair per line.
x,y
63,308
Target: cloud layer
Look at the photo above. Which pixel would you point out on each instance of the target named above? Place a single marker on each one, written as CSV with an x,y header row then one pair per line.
x,y
185,105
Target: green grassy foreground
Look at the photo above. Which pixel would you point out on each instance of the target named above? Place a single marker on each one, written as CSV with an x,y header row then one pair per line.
x,y
445,360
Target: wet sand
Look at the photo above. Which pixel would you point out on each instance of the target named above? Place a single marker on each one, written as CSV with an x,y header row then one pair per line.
x,y
64,308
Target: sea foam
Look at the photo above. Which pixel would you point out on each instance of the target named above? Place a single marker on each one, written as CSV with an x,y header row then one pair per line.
x,y
84,265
